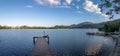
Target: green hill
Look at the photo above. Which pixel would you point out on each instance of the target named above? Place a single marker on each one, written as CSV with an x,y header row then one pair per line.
x,y
93,25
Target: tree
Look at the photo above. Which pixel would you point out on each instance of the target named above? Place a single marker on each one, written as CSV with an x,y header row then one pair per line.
x,y
113,6
110,27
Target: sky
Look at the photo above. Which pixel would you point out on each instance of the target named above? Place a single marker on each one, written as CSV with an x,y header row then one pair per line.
x,y
50,12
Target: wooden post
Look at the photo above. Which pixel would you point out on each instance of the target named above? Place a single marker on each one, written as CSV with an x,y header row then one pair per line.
x,y
44,33
34,39
48,39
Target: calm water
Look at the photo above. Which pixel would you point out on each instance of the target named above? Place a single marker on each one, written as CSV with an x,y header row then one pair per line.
x,y
63,42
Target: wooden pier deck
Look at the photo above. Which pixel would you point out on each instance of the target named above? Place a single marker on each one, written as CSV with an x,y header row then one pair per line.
x,y
41,47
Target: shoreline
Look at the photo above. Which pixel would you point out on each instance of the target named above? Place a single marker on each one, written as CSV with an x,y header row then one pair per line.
x,y
116,50
52,28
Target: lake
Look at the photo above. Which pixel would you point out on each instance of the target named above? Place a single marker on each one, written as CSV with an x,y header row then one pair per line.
x,y
63,42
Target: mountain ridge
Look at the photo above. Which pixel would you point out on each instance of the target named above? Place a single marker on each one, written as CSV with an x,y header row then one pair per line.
x,y
93,25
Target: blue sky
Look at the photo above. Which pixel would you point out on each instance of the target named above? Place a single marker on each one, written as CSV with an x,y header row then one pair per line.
x,y
49,12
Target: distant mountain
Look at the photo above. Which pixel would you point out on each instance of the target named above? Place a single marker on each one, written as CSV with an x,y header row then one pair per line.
x,y
103,23
83,25
92,25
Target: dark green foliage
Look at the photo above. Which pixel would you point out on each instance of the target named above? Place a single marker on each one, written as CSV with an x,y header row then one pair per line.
x,y
113,6
101,28
61,26
31,27
110,27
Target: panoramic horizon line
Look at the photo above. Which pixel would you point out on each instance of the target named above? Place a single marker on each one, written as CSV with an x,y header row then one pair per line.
x,y
56,24
33,25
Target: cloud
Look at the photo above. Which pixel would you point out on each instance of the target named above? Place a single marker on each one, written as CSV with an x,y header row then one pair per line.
x,y
29,6
64,6
106,17
77,7
88,5
78,0
68,2
91,7
80,12
55,3
48,2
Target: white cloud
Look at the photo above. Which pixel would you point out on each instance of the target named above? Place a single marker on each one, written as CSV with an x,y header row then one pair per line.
x,y
104,15
64,6
77,7
48,2
78,0
28,6
54,2
41,2
91,7
80,12
68,2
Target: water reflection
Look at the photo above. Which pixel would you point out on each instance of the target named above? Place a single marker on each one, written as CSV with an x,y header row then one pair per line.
x,y
63,42
94,48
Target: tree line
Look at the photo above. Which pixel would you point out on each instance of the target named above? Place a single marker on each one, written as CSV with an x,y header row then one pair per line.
x,y
34,27
110,27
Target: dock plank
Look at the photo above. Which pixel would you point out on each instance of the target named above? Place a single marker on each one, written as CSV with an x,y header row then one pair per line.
x,y
41,48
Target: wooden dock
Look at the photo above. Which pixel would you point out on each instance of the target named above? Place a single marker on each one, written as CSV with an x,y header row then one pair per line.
x,y
41,47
